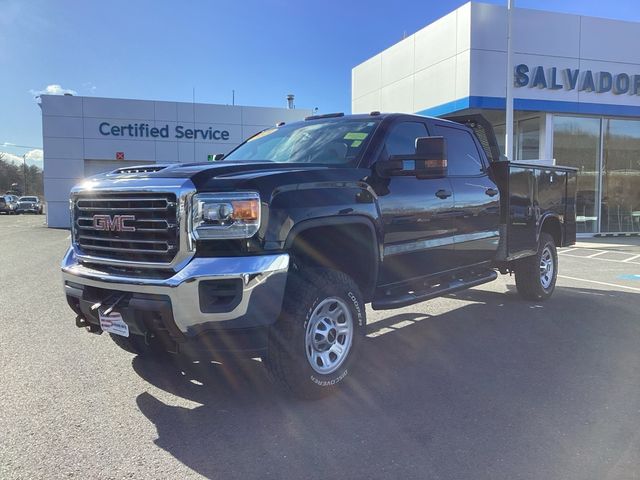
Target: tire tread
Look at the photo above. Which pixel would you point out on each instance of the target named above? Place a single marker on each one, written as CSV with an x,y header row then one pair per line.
x,y
527,272
302,288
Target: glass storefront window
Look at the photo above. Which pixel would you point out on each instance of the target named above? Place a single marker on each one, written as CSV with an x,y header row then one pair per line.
x,y
576,143
621,176
526,136
529,139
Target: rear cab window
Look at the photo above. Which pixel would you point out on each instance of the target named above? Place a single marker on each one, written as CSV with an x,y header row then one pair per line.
x,y
463,157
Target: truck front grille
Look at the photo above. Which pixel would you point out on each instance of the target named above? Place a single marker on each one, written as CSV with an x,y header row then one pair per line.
x,y
132,227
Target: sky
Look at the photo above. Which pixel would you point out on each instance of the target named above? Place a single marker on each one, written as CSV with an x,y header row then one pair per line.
x,y
163,50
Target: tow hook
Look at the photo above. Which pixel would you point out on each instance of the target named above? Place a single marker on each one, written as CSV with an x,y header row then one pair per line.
x,y
167,342
81,322
97,305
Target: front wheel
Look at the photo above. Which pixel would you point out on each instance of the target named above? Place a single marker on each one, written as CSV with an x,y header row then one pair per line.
x,y
312,346
536,275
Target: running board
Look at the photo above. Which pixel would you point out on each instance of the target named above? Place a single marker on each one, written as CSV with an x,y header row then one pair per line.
x,y
444,288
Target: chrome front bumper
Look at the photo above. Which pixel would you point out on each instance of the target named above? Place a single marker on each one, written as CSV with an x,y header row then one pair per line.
x,y
263,283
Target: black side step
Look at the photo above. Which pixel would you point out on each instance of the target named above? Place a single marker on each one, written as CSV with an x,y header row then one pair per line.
x,y
409,298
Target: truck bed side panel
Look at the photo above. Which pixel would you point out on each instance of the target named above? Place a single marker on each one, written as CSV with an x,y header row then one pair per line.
x,y
530,194
521,222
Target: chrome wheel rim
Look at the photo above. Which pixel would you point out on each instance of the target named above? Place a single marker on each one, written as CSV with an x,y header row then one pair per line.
x,y
546,268
329,335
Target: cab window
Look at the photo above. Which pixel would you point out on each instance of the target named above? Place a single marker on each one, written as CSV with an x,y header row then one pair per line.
x,y
463,157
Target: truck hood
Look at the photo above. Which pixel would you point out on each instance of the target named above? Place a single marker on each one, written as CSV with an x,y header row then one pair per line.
x,y
202,173
227,176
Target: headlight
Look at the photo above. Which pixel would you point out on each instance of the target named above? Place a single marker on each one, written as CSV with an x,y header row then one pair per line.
x,y
226,215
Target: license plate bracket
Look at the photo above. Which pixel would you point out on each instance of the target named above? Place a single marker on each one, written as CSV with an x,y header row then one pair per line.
x,y
113,323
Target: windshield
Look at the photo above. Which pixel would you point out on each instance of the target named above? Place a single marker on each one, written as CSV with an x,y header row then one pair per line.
x,y
328,142
28,199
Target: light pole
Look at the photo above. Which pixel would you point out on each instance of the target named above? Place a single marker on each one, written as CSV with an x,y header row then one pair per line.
x,y
24,172
508,137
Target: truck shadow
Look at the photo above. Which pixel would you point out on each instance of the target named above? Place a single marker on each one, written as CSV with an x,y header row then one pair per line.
x,y
433,396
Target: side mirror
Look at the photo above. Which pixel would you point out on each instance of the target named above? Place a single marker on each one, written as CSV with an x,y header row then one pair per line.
x,y
429,161
218,156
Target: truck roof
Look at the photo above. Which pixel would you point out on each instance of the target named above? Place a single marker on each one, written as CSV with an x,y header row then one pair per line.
x,y
372,115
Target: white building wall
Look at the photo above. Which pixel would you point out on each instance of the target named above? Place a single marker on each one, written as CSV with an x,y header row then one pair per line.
x,y
73,145
460,62
428,68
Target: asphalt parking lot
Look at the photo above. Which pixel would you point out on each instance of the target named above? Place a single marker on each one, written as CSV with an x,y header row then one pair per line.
x,y
478,385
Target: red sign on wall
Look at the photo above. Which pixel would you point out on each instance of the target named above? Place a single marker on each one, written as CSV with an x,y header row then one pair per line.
x,y
119,155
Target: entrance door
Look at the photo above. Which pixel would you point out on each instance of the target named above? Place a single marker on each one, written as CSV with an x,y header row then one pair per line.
x,y
576,143
620,199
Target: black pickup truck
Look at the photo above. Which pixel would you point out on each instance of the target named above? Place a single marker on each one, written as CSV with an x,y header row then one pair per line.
x,y
274,250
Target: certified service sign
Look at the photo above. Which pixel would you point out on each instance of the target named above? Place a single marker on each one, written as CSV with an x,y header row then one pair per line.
x,y
144,130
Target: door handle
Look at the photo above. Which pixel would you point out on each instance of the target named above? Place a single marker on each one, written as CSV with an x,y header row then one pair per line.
x,y
492,192
443,194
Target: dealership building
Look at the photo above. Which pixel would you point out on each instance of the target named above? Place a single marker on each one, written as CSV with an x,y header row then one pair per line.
x,y
576,88
83,136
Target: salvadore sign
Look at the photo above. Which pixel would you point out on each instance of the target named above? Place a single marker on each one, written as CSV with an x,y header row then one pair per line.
x,y
575,79
144,130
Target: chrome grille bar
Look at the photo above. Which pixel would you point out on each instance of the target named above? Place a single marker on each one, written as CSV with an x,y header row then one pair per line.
x,y
129,250
154,220
122,209
122,240
125,199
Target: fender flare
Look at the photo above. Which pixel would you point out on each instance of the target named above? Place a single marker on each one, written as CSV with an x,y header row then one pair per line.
x,y
543,219
343,220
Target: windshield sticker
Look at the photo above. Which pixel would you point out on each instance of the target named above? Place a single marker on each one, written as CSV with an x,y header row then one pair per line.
x,y
356,143
262,134
355,136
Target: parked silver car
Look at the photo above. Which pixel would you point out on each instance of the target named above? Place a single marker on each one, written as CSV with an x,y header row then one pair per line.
x,y
30,204
8,204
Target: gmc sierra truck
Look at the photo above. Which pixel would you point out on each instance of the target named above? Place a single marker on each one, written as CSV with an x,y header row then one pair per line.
x,y
274,250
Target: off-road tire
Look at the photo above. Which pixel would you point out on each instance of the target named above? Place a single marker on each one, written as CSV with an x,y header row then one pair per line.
x,y
286,360
529,281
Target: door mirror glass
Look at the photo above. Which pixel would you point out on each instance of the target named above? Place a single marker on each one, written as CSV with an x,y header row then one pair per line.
x,y
428,161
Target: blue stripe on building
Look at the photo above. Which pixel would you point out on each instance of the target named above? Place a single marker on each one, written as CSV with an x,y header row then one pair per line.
x,y
553,106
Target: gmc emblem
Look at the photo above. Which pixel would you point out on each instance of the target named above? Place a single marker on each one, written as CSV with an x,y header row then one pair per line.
x,y
113,224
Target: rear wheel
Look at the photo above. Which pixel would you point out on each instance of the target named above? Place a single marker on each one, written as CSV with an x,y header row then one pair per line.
x,y
312,345
536,275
